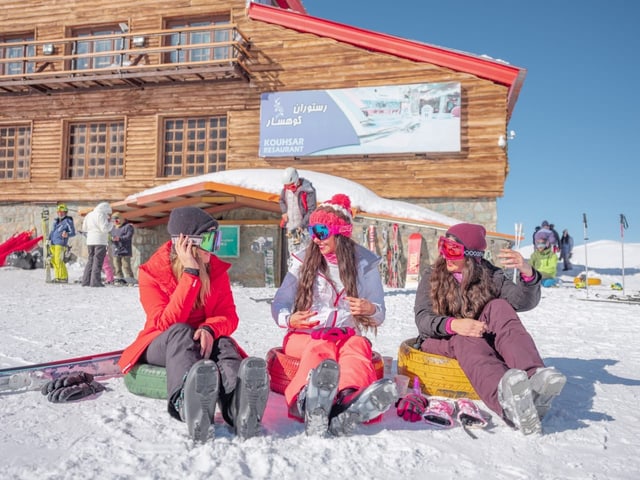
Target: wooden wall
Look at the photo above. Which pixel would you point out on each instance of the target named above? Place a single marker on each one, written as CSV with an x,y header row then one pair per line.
x,y
283,60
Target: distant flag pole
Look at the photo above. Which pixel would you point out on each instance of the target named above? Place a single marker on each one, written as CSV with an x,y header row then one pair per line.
x,y
586,264
623,226
517,247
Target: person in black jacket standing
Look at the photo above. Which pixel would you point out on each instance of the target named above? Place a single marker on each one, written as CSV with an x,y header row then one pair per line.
x,y
122,236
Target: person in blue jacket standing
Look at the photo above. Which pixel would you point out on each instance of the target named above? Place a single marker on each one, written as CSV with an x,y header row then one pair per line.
x,y
63,229
121,236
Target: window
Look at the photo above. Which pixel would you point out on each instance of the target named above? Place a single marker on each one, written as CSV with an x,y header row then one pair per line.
x,y
194,146
96,150
184,38
94,46
20,50
15,152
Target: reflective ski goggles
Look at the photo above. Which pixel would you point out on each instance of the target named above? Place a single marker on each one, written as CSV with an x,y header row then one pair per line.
x,y
208,241
452,250
322,231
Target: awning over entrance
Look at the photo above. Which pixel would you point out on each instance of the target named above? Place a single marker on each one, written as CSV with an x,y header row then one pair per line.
x,y
154,209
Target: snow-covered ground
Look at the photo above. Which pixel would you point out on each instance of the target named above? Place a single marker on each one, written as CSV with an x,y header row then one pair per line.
x,y
592,431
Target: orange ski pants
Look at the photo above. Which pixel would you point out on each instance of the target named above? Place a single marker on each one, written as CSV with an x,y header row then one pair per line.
x,y
352,354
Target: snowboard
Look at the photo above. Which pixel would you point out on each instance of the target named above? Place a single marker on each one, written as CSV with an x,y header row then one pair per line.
x,y
264,246
413,260
393,258
34,376
371,238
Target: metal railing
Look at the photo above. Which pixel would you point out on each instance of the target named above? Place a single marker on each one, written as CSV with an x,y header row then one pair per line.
x,y
136,54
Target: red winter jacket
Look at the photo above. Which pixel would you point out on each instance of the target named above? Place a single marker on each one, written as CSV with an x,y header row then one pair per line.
x,y
167,301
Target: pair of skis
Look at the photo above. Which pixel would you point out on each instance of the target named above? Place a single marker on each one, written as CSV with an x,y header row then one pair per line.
x,y
33,377
391,255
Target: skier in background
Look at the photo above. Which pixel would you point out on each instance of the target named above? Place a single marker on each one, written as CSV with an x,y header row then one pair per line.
x,y
566,250
122,237
545,261
63,229
297,201
545,233
96,225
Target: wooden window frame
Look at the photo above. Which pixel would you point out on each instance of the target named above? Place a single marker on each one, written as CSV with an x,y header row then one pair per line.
x,y
185,151
15,168
187,55
27,51
84,44
105,163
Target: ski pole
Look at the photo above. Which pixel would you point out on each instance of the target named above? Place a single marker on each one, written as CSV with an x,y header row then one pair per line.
x,y
518,227
623,225
586,264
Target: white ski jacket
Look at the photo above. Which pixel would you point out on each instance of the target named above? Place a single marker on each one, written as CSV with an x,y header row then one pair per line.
x,y
97,225
333,309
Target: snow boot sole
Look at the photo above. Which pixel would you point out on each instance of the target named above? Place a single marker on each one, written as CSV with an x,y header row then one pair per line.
x,y
200,397
252,392
321,391
370,403
516,398
546,383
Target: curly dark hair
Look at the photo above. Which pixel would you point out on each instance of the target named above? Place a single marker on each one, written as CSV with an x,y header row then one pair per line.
x,y
465,299
314,263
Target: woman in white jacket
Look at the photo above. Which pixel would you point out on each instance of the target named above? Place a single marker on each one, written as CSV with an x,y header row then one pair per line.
x,y
96,226
332,294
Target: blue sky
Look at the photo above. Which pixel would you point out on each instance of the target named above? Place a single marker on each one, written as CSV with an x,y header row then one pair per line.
x,y
577,120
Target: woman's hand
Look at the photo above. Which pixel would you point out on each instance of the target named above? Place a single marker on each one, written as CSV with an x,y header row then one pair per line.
x,y
512,259
184,251
206,341
468,327
361,306
301,318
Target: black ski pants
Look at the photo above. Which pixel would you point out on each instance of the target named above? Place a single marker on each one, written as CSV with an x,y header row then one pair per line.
x,y
177,351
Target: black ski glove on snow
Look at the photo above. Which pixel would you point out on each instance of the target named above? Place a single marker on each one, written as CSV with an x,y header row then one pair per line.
x,y
73,386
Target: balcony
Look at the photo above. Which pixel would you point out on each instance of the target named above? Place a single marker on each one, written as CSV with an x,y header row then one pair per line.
x,y
133,60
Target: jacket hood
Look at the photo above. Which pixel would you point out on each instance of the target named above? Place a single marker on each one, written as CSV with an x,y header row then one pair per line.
x,y
103,207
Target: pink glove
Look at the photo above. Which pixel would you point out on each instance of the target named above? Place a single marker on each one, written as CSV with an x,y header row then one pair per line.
x,y
411,407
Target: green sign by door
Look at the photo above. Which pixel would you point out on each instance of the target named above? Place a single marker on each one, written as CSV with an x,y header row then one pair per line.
x,y
230,242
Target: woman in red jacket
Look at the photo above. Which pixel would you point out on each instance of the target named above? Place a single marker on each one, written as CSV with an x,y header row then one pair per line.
x,y
186,294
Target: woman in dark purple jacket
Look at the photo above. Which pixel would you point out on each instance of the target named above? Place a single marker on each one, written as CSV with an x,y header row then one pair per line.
x,y
466,309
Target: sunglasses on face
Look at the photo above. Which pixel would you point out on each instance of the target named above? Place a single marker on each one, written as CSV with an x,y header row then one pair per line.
x,y
322,231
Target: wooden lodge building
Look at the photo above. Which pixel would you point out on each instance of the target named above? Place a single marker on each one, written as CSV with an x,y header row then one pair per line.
x,y
102,100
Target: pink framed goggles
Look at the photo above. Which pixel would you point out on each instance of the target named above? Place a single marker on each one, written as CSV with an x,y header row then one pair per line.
x,y
452,250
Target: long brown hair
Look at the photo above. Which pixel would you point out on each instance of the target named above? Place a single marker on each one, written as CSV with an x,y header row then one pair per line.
x,y
465,299
205,281
315,263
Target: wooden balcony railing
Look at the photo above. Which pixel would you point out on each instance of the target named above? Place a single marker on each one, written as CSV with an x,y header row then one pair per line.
x,y
134,60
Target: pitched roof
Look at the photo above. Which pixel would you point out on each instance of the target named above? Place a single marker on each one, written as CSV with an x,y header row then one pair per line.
x,y
499,72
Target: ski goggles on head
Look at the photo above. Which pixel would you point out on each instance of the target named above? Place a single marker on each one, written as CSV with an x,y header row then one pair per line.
x,y
452,250
208,241
322,231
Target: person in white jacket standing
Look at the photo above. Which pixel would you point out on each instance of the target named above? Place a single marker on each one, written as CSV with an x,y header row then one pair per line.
x,y
97,225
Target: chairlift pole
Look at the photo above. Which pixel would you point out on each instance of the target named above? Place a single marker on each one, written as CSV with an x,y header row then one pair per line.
x,y
586,264
623,226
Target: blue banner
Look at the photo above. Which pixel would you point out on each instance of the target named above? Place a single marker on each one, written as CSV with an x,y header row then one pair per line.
x,y
413,118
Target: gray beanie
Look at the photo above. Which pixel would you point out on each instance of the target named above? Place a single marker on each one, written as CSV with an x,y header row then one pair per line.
x,y
190,221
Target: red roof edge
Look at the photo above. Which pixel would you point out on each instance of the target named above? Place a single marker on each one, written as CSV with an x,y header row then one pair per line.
x,y
295,5
502,73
